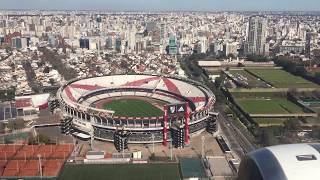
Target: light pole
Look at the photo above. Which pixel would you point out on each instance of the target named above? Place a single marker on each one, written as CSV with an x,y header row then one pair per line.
x,y
75,149
122,148
152,136
91,133
202,147
40,166
171,148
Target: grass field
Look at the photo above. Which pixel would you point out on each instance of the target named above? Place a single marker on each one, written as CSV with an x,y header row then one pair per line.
x,y
274,105
264,122
133,108
121,172
258,94
282,79
316,109
252,81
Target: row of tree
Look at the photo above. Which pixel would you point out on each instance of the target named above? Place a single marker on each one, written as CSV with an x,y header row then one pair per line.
x,y
56,61
7,94
31,77
291,66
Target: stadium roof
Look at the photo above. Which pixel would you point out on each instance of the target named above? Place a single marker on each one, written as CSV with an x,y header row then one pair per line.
x,y
35,101
76,89
288,162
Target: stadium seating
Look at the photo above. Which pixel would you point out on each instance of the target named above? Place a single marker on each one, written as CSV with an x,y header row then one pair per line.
x,y
89,94
178,86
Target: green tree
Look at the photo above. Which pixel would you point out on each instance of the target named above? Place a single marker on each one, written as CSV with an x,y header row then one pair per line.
x,y
317,74
292,124
218,81
267,137
40,139
152,157
316,53
257,58
315,132
15,124
2,127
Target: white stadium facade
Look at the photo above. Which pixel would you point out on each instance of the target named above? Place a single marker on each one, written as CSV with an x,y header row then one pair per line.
x,y
282,162
78,101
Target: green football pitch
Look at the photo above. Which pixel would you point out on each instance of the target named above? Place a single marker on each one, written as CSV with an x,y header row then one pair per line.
x,y
133,108
265,122
268,106
121,172
282,79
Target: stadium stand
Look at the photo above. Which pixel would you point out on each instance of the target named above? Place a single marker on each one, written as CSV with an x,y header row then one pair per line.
x,y
83,100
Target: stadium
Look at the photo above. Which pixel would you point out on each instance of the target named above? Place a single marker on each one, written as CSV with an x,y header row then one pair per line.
x,y
100,106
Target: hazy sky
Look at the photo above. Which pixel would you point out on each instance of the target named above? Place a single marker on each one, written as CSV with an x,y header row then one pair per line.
x,y
206,5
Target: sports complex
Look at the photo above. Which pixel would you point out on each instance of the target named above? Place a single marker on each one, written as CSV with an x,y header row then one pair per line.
x,y
263,95
147,106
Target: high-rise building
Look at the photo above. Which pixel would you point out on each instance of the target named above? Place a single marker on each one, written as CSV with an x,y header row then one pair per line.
x,y
52,40
19,42
109,42
311,40
118,44
84,43
256,35
150,26
231,48
132,37
172,45
1,39
162,32
16,43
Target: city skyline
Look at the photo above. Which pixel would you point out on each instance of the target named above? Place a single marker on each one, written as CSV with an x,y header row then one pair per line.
x,y
164,5
137,89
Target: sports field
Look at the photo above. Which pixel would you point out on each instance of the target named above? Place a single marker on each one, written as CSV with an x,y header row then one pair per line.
x,y
121,172
274,105
245,77
282,79
264,122
133,108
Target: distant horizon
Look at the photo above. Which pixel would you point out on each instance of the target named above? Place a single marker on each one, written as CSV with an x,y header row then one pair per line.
x,y
165,5
111,10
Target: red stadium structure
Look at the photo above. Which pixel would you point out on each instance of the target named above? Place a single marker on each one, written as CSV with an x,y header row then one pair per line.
x,y
165,125
80,101
187,124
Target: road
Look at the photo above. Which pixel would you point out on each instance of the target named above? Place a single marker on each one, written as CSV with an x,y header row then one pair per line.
x,y
238,141
4,58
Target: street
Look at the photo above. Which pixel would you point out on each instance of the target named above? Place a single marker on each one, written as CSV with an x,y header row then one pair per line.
x,y
237,140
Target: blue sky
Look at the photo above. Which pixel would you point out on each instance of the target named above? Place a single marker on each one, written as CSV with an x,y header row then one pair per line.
x,y
152,5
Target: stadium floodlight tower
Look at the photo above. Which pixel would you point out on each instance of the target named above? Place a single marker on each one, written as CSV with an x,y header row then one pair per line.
x,y
91,133
202,146
40,165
